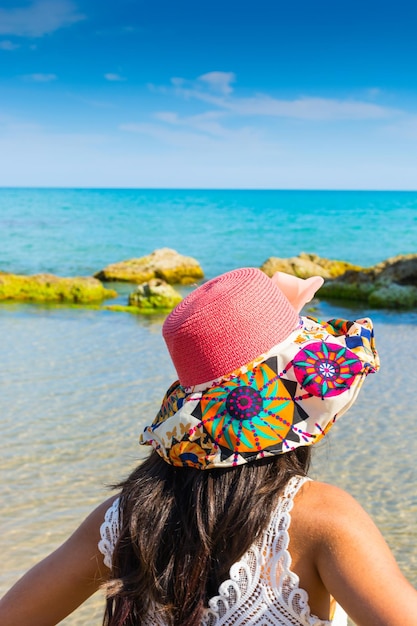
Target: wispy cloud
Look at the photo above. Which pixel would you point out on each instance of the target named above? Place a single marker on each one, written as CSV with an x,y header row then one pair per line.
x,y
8,45
40,18
114,77
214,88
219,81
209,125
214,82
239,121
41,78
307,108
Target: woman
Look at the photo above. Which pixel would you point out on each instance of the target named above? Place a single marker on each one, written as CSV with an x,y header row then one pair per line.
x,y
220,525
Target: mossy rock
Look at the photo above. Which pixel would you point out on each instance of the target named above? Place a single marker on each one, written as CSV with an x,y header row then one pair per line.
x,y
393,296
155,295
49,288
346,291
391,284
165,264
306,265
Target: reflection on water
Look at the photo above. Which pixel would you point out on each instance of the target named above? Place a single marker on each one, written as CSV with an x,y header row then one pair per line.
x,y
78,386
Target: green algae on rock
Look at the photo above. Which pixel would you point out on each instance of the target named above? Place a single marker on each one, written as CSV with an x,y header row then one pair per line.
x,y
49,288
166,264
393,296
155,295
306,265
391,284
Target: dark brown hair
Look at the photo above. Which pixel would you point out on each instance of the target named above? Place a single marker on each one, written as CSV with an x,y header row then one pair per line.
x,y
183,528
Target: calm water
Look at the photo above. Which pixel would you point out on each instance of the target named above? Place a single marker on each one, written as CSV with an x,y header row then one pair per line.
x,y
77,386
72,232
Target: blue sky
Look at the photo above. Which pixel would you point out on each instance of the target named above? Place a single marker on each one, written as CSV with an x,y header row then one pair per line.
x,y
198,94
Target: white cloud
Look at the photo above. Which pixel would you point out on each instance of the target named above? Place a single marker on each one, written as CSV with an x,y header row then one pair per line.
x,y
221,126
219,81
307,108
41,78
212,82
214,88
8,45
40,18
113,77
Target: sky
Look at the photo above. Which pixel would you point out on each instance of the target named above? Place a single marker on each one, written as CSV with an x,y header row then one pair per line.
x,y
260,94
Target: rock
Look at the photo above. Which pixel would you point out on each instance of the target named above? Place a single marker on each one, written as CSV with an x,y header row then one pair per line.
x,y
391,284
401,269
393,297
50,288
155,295
305,265
164,263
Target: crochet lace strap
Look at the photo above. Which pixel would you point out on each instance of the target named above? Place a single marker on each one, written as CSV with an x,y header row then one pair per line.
x,y
109,533
291,489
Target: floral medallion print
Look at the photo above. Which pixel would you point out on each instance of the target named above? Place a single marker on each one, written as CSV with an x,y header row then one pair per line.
x,y
326,369
248,414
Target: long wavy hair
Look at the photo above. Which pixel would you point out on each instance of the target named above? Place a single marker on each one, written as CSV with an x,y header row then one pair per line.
x,y
181,531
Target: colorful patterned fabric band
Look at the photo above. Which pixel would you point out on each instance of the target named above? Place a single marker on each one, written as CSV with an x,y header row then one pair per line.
x,y
288,397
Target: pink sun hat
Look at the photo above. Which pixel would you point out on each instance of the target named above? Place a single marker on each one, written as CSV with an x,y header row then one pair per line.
x,y
228,321
256,379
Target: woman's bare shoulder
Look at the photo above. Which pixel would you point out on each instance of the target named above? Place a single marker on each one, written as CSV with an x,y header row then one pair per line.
x,y
352,557
322,497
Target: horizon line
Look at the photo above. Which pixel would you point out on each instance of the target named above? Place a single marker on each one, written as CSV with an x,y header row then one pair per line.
x,y
180,188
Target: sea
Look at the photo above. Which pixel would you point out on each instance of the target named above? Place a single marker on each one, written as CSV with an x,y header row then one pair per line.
x,y
78,385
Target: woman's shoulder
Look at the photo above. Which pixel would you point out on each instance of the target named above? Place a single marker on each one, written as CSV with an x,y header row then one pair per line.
x,y
325,503
324,517
351,555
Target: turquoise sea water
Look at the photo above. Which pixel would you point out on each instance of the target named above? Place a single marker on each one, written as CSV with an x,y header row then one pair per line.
x,y
77,386
76,232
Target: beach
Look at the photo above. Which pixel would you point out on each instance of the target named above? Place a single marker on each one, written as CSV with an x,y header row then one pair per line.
x,y
78,385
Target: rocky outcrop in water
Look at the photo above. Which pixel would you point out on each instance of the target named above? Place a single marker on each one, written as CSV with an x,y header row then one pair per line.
x,y
305,265
165,264
391,284
49,288
155,295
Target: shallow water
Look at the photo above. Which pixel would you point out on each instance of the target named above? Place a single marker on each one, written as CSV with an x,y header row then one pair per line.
x,y
78,386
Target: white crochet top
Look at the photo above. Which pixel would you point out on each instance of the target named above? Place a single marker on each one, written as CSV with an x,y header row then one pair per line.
x,y
262,590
